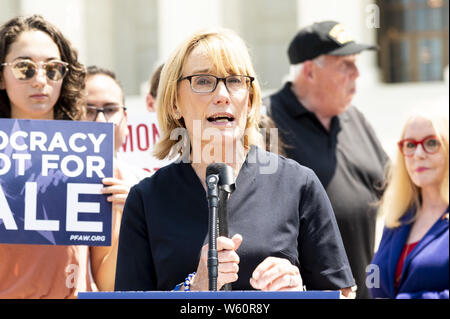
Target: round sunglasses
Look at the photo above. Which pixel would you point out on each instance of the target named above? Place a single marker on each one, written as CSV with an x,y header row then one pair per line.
x,y
25,70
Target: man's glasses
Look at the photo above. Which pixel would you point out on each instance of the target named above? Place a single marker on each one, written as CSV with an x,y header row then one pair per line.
x,y
207,83
430,145
25,70
109,112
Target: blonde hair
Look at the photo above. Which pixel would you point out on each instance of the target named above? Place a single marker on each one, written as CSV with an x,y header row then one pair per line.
x,y
401,193
229,55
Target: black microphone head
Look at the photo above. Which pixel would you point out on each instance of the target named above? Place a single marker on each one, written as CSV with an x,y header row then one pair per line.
x,y
214,168
226,175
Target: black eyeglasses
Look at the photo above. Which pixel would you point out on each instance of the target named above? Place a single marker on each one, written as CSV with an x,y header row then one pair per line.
x,y
25,70
430,145
109,112
207,83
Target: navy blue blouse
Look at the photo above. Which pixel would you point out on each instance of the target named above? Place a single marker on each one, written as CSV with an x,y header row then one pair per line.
x,y
282,213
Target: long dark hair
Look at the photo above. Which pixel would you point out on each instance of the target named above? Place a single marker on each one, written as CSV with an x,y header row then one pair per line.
x,y
69,105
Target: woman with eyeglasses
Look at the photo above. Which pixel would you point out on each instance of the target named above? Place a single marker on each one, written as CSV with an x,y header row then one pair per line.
x,y
282,230
412,259
105,103
41,79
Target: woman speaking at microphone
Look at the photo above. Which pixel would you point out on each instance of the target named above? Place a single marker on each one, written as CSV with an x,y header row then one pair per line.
x,y
283,232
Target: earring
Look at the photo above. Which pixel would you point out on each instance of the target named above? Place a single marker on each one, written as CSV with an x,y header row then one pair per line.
x,y
176,112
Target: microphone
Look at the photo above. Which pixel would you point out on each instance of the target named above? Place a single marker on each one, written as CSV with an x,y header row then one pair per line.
x,y
226,187
212,182
220,184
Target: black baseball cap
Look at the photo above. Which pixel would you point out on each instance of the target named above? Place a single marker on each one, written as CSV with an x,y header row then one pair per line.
x,y
326,37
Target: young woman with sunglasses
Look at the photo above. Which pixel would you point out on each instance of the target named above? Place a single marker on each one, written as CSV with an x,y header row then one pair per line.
x,y
41,78
413,257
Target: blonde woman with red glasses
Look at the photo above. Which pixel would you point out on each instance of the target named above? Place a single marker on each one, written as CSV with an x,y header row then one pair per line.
x,y
412,259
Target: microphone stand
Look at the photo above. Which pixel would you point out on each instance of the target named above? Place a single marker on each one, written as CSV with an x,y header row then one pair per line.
x,y
220,184
226,187
212,182
223,222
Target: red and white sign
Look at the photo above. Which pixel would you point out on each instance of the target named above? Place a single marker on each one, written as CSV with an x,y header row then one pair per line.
x,y
143,133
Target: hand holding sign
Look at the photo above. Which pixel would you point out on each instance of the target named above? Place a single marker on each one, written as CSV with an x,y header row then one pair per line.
x,y
118,190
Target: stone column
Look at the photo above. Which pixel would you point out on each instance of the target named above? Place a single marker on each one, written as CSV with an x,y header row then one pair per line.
x,y
178,19
66,15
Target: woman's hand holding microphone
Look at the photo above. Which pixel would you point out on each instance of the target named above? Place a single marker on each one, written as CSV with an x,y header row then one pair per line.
x,y
273,274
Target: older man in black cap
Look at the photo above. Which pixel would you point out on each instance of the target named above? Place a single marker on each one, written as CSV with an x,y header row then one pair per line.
x,y
323,131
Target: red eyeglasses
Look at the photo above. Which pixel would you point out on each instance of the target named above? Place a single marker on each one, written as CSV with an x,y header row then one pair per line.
x,y
430,145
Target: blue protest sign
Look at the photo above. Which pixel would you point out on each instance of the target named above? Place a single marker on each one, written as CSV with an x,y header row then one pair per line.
x,y
50,182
